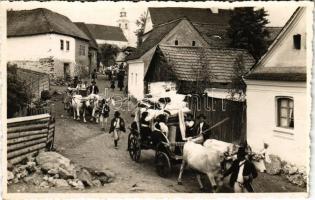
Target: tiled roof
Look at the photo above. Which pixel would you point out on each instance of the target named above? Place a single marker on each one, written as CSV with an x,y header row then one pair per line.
x,y
188,63
155,36
83,28
161,15
41,21
273,32
103,32
214,34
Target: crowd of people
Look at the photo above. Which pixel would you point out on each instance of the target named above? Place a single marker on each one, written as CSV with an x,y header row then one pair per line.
x,y
116,73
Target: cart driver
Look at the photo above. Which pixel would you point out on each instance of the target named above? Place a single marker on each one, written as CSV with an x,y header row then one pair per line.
x,y
144,126
202,130
190,125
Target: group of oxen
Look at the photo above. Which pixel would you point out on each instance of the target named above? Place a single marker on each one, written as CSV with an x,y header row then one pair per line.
x,y
77,103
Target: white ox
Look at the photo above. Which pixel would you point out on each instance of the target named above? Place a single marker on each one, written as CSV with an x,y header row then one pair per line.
x,y
78,104
205,159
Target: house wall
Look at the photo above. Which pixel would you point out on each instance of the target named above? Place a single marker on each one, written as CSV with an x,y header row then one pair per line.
x,y
135,79
42,53
120,44
82,61
290,144
284,54
148,23
185,34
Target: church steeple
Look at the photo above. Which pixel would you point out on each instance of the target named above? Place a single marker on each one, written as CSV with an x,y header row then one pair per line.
x,y
123,23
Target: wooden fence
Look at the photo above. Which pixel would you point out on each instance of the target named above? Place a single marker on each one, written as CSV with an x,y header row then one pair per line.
x,y
215,110
27,136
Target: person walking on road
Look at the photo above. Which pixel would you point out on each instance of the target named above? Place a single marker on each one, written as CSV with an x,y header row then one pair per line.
x,y
116,127
104,114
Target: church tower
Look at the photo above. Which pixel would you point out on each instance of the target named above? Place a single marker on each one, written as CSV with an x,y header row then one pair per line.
x,y
123,23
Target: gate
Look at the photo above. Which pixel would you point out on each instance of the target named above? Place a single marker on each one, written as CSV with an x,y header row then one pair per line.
x,y
215,110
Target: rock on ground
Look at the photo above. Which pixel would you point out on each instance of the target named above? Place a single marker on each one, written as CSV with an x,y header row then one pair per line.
x,y
274,167
54,163
85,177
10,175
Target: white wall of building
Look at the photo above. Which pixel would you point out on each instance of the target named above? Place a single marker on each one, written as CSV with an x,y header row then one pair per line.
x,y
290,144
284,54
120,44
135,79
40,46
148,23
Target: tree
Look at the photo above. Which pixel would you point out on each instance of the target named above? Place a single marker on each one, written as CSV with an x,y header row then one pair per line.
x,y
247,30
140,24
17,95
108,54
238,86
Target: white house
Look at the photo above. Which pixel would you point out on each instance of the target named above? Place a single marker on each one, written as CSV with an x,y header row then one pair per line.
x,y
278,94
45,41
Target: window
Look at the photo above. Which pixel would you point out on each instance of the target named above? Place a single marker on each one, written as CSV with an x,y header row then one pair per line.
x,y
68,45
176,42
82,50
297,41
61,44
126,26
285,107
119,25
193,43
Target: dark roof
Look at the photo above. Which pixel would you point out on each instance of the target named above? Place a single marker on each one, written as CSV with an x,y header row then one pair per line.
x,y
187,62
279,73
83,28
214,34
41,21
155,36
103,32
161,15
273,32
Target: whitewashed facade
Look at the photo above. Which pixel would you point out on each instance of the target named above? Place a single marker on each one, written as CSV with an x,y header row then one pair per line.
x,y
268,101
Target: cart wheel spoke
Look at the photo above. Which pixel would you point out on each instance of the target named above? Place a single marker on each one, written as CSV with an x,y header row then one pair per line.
x,y
163,165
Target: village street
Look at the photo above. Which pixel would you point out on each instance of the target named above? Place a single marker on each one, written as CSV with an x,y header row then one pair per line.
x,y
87,146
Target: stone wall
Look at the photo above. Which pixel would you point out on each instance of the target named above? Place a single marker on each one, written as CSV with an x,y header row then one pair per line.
x,y
50,65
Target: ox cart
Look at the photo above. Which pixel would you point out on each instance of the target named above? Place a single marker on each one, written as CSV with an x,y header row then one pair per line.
x,y
166,153
168,150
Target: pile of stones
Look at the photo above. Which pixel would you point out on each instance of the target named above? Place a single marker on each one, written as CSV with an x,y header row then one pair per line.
x,y
50,169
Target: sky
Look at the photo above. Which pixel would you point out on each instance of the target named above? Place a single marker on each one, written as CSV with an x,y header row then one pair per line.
x,y
107,13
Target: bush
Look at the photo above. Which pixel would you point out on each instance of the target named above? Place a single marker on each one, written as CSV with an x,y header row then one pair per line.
x,y
17,95
44,95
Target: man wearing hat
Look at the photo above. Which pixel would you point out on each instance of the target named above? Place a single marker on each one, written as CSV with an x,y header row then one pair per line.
x,y
93,89
202,128
116,126
242,173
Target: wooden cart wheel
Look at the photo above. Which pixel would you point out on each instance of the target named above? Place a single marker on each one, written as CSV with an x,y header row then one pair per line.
x,y
135,149
163,164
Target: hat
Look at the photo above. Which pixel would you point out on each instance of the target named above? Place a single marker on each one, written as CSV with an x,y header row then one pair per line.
x,y
241,152
201,116
117,114
93,82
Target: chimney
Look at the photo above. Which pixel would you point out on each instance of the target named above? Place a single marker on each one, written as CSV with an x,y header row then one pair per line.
x,y
215,10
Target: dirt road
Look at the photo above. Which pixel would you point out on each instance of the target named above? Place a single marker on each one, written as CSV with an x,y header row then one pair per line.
x,y
86,145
